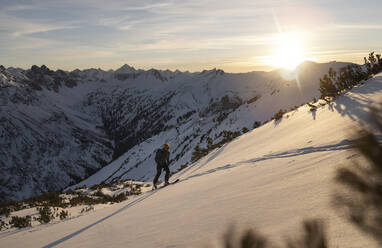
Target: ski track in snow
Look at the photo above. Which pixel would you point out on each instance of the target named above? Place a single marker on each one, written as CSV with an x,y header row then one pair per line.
x,y
131,204
343,145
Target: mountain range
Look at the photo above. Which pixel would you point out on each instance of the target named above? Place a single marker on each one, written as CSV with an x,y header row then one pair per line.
x,y
278,185
61,129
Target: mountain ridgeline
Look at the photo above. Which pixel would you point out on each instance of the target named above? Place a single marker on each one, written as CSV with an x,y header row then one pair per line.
x,y
58,128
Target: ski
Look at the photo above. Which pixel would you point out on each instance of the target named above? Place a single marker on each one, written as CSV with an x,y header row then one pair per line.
x,y
177,180
170,183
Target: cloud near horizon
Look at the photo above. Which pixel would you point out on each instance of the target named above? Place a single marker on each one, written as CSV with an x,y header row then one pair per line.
x,y
173,34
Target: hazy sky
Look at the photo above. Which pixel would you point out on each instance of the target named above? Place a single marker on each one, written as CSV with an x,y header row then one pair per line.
x,y
236,36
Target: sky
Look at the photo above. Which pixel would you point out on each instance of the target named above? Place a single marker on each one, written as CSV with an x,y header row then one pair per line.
x,y
233,35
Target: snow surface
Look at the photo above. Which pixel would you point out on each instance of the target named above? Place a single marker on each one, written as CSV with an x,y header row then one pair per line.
x,y
270,178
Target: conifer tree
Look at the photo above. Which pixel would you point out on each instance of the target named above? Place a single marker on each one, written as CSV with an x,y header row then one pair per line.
x,y
327,87
379,63
373,63
368,66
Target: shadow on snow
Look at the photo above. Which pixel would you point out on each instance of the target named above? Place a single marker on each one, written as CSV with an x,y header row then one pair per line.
x,y
67,237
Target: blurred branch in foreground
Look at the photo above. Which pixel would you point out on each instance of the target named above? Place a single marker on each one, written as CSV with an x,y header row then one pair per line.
x,y
363,205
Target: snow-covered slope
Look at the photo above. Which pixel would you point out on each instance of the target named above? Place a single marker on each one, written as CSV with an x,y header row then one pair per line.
x,y
199,108
59,127
270,178
48,137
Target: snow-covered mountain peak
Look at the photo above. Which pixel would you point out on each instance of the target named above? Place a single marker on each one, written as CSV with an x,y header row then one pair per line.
x,y
213,71
306,63
126,69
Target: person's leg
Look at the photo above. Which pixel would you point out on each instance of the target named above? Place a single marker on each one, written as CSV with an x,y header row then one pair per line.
x,y
159,171
167,176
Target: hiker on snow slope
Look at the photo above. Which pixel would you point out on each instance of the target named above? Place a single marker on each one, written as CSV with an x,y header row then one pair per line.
x,y
162,158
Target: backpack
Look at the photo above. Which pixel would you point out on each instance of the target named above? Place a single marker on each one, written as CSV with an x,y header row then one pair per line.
x,y
160,157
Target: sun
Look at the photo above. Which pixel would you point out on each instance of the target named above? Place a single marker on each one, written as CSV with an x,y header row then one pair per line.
x,y
289,52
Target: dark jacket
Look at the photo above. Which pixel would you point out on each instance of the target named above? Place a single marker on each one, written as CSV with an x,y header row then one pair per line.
x,y
162,157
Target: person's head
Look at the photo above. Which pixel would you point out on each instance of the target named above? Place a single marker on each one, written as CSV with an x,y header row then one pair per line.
x,y
166,146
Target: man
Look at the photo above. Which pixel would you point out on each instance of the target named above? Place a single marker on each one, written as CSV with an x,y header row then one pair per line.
x,y
162,158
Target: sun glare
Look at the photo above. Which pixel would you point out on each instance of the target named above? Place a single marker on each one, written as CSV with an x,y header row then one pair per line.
x,y
290,51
